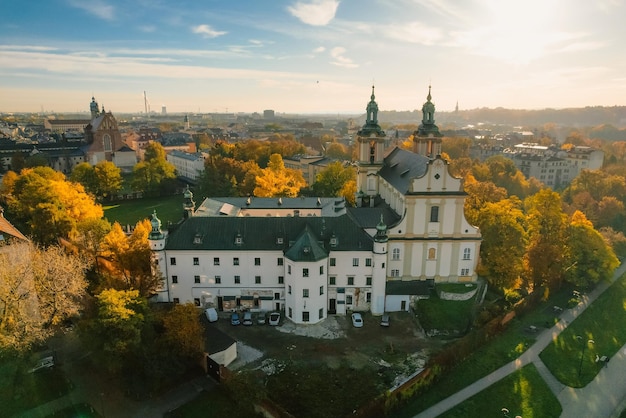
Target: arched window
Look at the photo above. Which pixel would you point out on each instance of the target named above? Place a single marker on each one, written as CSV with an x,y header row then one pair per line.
x,y
432,253
106,142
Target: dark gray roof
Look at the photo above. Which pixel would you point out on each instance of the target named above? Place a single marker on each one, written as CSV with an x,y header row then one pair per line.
x,y
215,341
263,233
407,287
400,166
370,217
306,248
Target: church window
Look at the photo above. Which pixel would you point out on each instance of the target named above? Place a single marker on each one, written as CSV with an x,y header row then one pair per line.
x,y
432,253
106,142
371,183
464,272
467,254
395,273
434,213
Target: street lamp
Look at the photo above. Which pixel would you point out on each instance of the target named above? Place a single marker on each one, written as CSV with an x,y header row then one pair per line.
x,y
582,353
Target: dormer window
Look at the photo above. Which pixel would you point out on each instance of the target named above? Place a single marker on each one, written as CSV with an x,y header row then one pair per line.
x,y
306,249
279,240
333,241
238,239
197,239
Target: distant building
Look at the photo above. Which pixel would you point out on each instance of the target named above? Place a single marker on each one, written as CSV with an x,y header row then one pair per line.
x,y
188,166
268,114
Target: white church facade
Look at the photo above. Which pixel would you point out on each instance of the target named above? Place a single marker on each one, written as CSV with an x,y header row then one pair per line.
x,y
314,257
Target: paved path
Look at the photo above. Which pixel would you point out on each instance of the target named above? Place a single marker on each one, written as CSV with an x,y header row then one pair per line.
x,y
598,399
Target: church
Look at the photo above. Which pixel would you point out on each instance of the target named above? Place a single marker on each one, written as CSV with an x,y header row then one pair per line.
x,y
314,257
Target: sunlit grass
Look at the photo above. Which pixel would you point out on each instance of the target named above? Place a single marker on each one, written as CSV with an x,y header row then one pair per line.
x,y
129,212
602,322
522,393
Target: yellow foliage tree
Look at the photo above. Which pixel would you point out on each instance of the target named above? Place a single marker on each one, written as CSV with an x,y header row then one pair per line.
x,y
278,181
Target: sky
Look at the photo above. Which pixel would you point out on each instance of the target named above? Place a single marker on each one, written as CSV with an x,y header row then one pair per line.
x,y
310,56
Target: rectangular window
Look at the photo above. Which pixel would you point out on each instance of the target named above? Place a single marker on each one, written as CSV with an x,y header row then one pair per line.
x,y
280,261
333,262
368,281
172,261
257,279
464,272
196,279
196,261
321,269
218,279
289,289
305,272
305,316
236,261
176,300
321,290
305,293
467,253
257,261
395,273
281,279
289,269
332,280
395,254
355,262
348,299
434,213
237,279
368,262
350,281
368,297
290,313
174,279
216,261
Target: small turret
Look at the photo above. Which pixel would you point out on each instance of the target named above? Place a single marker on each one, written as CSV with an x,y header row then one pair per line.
x,y
189,206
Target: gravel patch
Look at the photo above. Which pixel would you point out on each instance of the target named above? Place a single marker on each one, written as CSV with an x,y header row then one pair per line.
x,y
328,329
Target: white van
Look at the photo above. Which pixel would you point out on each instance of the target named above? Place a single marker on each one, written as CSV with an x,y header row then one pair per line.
x,y
211,314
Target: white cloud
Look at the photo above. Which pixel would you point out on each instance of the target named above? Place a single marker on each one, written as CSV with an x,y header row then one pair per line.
x,y
319,50
97,8
207,31
340,60
414,32
316,13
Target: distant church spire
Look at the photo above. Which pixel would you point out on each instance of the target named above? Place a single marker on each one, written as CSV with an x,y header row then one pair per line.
x,y
94,108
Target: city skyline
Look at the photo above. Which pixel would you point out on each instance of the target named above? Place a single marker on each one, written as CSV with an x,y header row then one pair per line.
x,y
310,56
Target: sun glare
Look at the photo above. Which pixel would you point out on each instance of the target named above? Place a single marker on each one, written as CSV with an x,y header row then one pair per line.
x,y
519,31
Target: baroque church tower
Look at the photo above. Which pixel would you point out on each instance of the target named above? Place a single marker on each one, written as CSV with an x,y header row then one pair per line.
x,y
371,147
427,138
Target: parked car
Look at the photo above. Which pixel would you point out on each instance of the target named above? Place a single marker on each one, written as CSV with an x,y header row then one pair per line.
x,y
211,314
274,318
234,319
260,319
384,321
247,318
357,320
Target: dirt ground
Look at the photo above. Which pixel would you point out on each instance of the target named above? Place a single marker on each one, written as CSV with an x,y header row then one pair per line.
x,y
400,349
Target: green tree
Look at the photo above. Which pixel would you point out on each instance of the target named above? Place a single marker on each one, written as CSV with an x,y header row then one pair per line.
x,y
108,179
276,180
84,174
152,173
330,181
590,258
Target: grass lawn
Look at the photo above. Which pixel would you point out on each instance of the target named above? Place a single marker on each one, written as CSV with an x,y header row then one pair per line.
x,y
503,349
21,391
602,322
439,314
522,393
129,212
216,403
81,410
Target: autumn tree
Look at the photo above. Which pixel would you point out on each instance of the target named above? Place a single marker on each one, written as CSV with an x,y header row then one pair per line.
x,y
277,181
131,259
480,193
330,181
502,226
590,257
39,289
183,333
48,205
89,237
153,173
102,180
547,250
